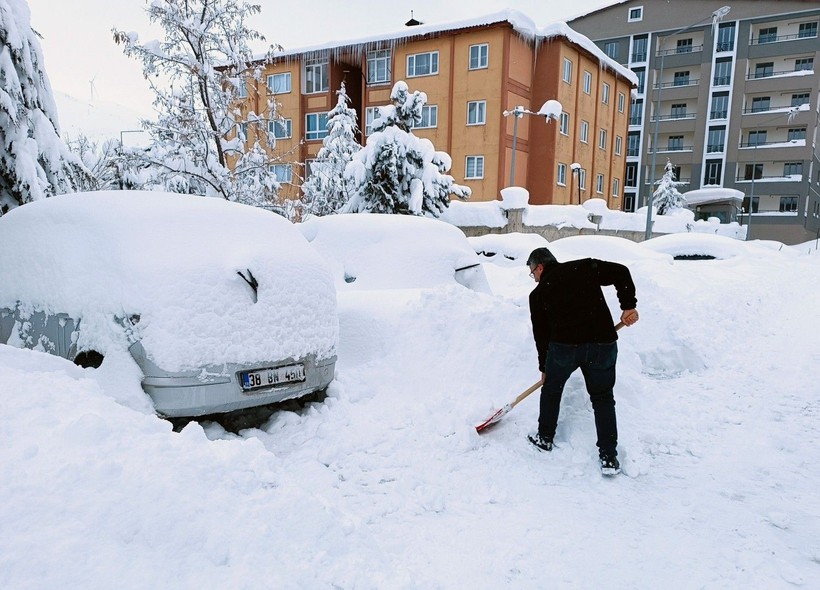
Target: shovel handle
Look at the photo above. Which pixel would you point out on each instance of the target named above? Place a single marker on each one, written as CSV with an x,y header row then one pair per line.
x,y
538,383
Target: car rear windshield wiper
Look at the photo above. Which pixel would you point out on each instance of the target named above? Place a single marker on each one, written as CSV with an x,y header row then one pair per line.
x,y
251,280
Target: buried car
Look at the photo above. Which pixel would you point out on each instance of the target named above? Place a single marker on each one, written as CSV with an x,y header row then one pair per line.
x,y
222,306
371,251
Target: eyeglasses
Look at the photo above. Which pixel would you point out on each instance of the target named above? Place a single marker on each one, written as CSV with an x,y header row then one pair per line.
x,y
532,271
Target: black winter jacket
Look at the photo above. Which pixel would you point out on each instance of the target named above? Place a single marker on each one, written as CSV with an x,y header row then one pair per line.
x,y
568,304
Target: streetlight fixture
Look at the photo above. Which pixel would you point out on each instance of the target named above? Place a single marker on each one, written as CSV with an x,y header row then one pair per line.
x,y
716,17
549,110
576,171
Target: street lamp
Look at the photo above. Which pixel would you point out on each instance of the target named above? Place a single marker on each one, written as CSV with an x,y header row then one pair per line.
x,y
716,17
549,110
576,171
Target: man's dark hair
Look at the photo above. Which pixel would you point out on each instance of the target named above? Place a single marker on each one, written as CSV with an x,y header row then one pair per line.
x,y
541,256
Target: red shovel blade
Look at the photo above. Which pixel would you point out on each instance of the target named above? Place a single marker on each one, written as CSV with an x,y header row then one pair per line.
x,y
493,418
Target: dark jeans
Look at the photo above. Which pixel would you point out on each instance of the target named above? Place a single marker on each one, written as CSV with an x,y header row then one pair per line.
x,y
597,363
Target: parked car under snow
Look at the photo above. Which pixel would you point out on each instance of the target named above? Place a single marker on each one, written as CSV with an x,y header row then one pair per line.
x,y
380,251
222,306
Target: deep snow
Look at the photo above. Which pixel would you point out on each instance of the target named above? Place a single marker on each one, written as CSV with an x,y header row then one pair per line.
x,y
387,485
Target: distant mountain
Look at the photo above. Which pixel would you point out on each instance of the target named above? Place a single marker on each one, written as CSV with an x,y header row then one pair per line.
x,y
98,121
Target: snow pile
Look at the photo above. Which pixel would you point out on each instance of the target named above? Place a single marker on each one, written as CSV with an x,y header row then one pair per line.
x,y
717,412
173,261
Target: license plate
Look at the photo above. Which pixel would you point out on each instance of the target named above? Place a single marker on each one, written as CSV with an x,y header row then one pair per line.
x,y
272,377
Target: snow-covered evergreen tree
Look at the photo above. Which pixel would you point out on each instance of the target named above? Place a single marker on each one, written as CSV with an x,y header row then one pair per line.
x,y
34,161
197,144
327,188
666,197
398,172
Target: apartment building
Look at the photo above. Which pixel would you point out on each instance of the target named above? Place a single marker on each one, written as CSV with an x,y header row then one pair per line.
x,y
731,101
472,73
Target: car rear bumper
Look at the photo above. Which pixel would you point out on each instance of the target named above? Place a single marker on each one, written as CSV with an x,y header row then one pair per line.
x,y
217,389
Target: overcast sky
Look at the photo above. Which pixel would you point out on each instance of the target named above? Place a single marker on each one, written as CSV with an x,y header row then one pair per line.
x,y
82,60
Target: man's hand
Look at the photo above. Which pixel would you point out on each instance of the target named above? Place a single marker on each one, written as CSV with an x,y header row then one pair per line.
x,y
629,316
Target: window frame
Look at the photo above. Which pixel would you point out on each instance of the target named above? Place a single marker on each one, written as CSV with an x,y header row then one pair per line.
x,y
584,131
619,143
605,93
270,84
368,122
431,111
288,126
587,82
621,102
563,123
480,112
286,167
433,64
566,76
476,160
602,139
375,58
635,14
561,177
599,184
320,66
483,61
318,134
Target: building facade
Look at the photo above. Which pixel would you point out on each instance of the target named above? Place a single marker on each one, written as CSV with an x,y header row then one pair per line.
x,y
732,102
472,73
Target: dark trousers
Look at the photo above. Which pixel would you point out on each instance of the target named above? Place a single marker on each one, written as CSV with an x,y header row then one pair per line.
x,y
597,363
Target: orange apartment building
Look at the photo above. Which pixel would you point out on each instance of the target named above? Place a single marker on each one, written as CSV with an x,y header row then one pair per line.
x,y
472,72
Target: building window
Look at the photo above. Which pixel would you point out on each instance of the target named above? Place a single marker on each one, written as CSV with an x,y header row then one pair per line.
x,y
639,44
720,106
755,204
788,204
567,77
477,112
602,139
316,75
599,184
716,139
563,125
475,167
378,66
797,134
619,142
241,88
584,132
621,102
684,46
479,56
242,131
723,71
713,172
616,188
757,138
281,128
764,70
582,179
370,115
315,126
633,144
641,74
632,175
792,168
761,104
587,82
767,35
605,94
798,99
422,64
429,117
279,83
629,202
753,170
283,172
611,49
726,37
807,30
678,110
804,64
675,143
636,112
562,174
635,14
681,79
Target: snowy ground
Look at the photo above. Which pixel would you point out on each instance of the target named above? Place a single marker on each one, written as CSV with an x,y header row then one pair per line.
x,y
387,485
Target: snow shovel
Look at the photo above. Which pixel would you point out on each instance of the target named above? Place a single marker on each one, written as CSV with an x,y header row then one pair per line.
x,y
500,413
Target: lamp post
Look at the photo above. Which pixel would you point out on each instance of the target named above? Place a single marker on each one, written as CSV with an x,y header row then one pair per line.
x,y
716,16
576,171
549,110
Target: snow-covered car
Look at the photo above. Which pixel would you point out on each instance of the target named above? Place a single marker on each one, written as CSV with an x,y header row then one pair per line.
x,y
222,306
696,246
378,251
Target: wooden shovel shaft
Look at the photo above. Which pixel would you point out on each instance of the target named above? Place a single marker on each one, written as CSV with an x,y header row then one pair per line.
x,y
496,416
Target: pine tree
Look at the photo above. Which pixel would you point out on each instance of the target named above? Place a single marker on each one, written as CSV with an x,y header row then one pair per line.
x,y
398,172
197,145
327,188
666,197
34,161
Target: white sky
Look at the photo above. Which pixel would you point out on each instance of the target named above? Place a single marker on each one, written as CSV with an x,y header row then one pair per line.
x,y
78,46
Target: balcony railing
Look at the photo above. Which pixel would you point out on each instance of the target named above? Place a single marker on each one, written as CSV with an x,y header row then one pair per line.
x,y
715,148
639,56
722,80
782,177
771,74
680,50
673,148
636,120
718,115
781,143
766,39
674,117
679,83
725,46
